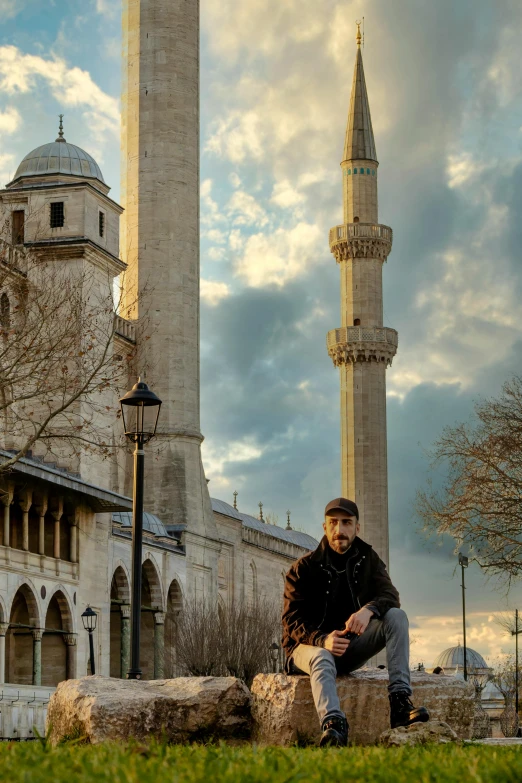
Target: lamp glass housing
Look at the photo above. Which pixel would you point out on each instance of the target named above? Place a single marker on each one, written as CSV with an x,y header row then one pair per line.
x,y
140,409
463,560
89,618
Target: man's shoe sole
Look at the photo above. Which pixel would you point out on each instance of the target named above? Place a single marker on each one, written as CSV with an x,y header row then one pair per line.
x,y
332,742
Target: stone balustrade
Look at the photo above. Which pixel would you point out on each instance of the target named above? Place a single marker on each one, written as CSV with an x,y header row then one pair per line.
x,y
125,329
23,708
360,240
349,344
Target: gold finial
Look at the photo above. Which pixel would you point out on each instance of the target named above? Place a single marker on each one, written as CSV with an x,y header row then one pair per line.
x,y
358,37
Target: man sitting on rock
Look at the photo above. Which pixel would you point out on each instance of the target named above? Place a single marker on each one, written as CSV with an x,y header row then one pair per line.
x,y
340,609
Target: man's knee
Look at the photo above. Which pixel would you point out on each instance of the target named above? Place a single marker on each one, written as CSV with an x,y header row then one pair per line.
x,y
397,618
321,658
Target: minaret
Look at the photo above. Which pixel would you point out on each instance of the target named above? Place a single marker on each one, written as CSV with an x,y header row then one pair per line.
x,y
160,243
362,348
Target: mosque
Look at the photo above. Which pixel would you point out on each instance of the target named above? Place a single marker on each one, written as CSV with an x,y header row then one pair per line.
x,y
65,539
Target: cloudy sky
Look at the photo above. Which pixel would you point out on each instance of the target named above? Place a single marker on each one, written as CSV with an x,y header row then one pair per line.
x,y
446,100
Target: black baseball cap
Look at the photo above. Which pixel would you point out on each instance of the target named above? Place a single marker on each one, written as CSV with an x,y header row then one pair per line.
x,y
342,504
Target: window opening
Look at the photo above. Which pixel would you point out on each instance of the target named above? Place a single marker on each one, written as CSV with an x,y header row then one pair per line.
x,y
101,223
355,171
18,226
5,311
367,171
57,214
356,321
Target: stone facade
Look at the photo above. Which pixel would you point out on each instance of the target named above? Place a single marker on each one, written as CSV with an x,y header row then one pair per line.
x,y
362,348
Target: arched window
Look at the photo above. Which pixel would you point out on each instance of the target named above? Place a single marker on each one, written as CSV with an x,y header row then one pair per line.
x,y
5,311
356,321
356,219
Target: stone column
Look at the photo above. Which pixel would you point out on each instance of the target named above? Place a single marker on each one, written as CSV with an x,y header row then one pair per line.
x,y
70,640
57,512
125,640
26,501
73,554
6,497
3,631
159,645
41,508
37,656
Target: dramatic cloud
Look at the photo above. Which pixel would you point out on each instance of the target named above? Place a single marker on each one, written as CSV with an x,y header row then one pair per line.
x,y
20,73
213,292
10,120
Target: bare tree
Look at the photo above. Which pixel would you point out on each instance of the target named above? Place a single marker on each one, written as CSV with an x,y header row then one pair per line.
x,y
229,640
60,376
504,677
479,503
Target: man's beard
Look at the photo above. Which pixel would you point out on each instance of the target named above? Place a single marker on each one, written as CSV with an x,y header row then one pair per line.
x,y
340,544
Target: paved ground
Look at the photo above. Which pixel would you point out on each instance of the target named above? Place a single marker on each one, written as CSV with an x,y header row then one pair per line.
x,y
499,741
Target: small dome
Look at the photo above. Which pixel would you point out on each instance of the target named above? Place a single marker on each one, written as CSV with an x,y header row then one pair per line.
x,y
59,157
151,523
454,656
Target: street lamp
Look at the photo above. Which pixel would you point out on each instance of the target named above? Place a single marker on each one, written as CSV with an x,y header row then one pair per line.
x,y
140,413
274,654
463,563
89,618
515,633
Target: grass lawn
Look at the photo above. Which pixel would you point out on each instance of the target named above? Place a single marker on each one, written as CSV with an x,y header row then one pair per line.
x,y
34,763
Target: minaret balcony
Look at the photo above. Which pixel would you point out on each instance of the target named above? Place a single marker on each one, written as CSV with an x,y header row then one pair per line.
x,y
360,240
350,344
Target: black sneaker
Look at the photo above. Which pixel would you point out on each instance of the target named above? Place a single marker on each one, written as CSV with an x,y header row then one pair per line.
x,y
402,711
335,732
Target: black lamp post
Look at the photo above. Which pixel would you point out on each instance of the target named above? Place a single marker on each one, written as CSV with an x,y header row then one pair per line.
x,y
140,412
515,633
463,562
89,618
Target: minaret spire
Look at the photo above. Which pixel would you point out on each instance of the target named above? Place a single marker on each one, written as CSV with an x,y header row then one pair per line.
x,y
359,143
362,347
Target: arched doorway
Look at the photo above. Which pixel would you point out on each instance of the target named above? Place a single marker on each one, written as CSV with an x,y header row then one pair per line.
x,y
151,602
119,626
19,640
174,607
56,652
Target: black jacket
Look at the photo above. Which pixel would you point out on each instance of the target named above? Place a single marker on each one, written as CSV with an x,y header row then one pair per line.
x,y
307,589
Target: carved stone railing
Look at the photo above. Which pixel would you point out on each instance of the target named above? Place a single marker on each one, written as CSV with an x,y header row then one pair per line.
x,y
350,344
13,255
125,329
360,240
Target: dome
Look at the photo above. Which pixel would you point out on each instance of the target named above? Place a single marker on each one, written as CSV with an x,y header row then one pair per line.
x,y
151,523
59,157
454,656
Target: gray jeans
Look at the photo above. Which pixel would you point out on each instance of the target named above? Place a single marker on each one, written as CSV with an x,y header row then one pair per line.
x,y
323,667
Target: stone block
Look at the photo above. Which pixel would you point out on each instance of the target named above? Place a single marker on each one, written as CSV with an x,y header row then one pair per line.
x,y
433,732
179,710
283,710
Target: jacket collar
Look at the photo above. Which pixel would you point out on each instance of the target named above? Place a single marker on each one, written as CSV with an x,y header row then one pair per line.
x,y
320,555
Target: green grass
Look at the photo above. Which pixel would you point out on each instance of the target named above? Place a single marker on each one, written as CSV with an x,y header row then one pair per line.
x,y
35,763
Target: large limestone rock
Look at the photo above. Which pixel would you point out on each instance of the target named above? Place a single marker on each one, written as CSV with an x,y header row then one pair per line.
x,y
435,731
182,709
283,709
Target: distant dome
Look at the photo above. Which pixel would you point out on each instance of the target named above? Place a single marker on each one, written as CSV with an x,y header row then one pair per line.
x,y
151,523
454,656
59,157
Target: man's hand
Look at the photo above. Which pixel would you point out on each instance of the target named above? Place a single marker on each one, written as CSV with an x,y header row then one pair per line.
x,y
358,622
335,643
